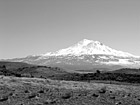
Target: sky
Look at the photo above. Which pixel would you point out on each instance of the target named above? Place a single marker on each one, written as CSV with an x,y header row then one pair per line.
x,y
30,27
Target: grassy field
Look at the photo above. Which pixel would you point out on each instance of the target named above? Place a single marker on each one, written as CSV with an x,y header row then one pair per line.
x,y
23,84
35,91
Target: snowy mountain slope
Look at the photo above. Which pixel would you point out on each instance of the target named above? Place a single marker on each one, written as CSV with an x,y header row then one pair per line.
x,y
89,47
86,54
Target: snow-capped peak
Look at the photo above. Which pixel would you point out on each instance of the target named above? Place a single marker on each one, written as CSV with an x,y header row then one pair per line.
x,y
85,42
89,47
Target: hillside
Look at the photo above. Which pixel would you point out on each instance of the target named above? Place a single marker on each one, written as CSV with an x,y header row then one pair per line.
x,y
127,71
55,73
14,65
26,70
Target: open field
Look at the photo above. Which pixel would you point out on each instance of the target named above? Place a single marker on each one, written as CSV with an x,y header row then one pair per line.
x,y
22,84
35,91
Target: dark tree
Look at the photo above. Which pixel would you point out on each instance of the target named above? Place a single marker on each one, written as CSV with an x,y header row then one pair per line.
x,y
4,67
98,71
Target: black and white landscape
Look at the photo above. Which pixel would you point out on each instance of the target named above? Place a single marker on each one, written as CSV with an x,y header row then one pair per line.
x,y
69,52
88,73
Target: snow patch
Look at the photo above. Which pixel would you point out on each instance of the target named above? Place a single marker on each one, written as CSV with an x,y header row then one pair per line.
x,y
103,57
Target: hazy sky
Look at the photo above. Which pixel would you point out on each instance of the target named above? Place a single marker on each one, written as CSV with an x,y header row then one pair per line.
x,y
38,26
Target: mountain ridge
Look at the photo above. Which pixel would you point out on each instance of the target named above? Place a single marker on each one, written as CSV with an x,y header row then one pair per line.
x,y
86,54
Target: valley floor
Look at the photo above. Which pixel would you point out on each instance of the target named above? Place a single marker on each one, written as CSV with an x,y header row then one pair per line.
x,y
35,91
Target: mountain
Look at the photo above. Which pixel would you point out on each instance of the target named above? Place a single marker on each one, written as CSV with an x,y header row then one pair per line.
x,y
89,47
86,54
